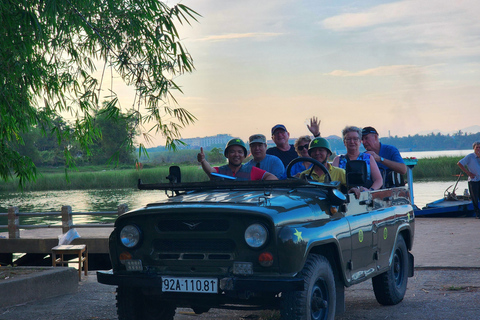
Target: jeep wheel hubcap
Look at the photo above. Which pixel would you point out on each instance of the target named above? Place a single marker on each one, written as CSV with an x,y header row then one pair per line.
x,y
319,302
397,268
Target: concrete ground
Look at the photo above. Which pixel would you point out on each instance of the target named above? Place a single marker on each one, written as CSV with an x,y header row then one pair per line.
x,y
446,285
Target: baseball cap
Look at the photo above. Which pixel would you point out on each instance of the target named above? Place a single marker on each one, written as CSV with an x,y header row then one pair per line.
x,y
368,130
257,138
278,126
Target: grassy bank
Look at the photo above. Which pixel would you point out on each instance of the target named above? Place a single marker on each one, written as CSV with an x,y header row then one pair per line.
x,y
103,179
442,168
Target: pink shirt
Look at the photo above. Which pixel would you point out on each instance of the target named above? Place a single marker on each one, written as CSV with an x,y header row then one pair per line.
x,y
255,173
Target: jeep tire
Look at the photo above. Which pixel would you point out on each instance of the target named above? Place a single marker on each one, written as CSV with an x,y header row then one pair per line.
x,y
132,304
317,300
390,286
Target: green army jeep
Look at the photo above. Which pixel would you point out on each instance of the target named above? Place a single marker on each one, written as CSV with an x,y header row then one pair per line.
x,y
292,245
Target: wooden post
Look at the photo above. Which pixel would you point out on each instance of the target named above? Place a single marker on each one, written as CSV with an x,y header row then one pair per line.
x,y
13,223
67,221
122,208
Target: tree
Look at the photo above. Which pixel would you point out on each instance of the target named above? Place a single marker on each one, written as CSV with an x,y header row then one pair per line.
x,y
116,141
216,155
29,148
48,56
50,147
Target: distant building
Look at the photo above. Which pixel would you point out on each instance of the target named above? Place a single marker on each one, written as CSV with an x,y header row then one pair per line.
x,y
220,140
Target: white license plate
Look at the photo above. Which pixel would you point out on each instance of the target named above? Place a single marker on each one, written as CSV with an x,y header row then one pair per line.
x,y
197,285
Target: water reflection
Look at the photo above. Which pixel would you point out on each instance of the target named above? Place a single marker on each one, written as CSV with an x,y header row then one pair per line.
x,y
110,199
79,200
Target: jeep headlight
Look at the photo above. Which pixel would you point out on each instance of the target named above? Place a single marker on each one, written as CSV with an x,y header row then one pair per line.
x,y
256,235
130,236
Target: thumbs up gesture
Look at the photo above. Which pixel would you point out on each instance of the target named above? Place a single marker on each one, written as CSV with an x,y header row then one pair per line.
x,y
201,155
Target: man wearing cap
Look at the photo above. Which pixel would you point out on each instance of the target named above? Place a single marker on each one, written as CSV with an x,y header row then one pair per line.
x,y
235,152
262,160
319,149
388,157
283,150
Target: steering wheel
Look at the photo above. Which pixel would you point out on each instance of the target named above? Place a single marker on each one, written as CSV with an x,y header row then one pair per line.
x,y
317,163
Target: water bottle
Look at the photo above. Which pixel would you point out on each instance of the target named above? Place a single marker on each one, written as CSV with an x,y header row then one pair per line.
x,y
465,193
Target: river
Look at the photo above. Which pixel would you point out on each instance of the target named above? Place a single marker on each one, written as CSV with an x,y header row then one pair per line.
x,y
110,199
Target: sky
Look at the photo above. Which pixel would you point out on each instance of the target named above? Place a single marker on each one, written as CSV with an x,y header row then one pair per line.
x,y
403,67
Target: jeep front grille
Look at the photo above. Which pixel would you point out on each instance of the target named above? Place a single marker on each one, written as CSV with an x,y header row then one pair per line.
x,y
211,225
194,249
195,245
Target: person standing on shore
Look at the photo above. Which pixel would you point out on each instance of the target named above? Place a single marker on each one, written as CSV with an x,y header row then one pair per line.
x,y
471,166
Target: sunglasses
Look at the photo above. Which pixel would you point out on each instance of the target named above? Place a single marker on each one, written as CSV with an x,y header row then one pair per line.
x,y
305,146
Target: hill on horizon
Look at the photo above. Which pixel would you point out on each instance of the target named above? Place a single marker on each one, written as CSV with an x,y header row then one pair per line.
x,y
469,130
336,141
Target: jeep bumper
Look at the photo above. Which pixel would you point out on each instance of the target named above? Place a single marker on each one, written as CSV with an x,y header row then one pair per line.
x,y
226,284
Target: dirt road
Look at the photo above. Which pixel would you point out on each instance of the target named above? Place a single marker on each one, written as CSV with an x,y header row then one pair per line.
x,y
446,285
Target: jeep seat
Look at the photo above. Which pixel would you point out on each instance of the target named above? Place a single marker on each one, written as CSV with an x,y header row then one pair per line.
x,y
356,173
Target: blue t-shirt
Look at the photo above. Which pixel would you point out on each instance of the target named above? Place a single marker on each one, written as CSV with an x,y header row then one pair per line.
x,y
298,168
285,156
391,153
270,164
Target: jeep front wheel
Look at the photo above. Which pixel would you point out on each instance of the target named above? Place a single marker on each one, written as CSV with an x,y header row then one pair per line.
x,y
132,304
317,300
390,286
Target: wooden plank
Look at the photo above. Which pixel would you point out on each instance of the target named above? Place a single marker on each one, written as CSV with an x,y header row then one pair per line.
x,y
43,240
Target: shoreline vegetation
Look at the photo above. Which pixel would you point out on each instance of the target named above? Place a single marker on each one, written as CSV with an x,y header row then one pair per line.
x,y
101,177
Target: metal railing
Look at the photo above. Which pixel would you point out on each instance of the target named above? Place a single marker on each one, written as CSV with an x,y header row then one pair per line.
x,y
66,214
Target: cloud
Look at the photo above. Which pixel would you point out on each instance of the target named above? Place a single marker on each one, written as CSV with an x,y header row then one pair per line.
x,y
431,28
234,36
380,71
412,11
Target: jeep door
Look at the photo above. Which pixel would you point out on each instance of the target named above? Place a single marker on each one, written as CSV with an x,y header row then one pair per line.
x,y
362,262
385,225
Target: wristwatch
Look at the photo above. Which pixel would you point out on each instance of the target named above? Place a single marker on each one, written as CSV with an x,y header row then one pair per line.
x,y
381,159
